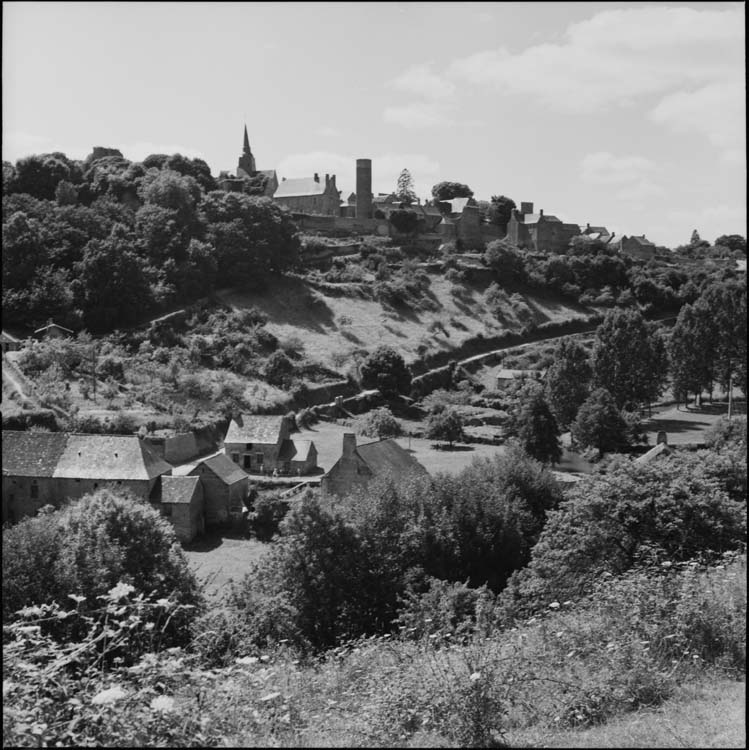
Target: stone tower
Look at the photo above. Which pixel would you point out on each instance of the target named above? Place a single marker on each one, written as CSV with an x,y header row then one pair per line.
x,y
363,188
247,160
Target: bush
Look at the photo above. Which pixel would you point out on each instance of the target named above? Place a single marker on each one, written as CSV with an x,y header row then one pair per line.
x,y
88,547
379,423
268,511
385,369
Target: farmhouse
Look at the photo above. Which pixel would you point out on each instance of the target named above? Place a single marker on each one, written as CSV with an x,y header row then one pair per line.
x,y
47,468
182,503
358,465
539,232
505,376
636,246
225,488
263,444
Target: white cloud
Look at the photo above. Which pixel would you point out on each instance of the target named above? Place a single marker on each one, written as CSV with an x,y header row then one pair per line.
x,y
617,56
717,111
421,80
417,115
604,168
385,169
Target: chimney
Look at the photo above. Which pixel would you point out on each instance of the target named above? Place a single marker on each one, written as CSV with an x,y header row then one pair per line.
x,y
349,445
541,212
662,438
587,226
317,177
327,180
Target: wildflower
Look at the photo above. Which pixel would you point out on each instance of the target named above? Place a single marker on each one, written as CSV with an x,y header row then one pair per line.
x,y
120,591
475,676
111,695
162,703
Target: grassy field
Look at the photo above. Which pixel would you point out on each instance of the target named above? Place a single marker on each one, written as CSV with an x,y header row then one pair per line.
x,y
332,328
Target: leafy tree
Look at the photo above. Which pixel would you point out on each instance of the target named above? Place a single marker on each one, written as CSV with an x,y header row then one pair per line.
x,y
66,194
88,547
734,242
111,284
386,370
405,188
599,423
679,507
279,369
506,261
39,175
629,358
445,191
445,424
404,220
255,185
568,380
692,352
538,431
380,423
500,211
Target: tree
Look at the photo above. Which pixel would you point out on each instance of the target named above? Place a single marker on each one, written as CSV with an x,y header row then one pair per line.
x,y
500,211
538,431
599,424
279,369
380,423
88,547
405,188
681,507
445,424
386,370
692,352
404,220
568,380
39,175
506,261
629,358
734,242
445,191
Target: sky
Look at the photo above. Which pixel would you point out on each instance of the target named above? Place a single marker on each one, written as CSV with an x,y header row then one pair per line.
x,y
627,115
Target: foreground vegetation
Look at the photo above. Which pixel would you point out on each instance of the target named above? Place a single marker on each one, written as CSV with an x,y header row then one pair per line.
x,y
387,618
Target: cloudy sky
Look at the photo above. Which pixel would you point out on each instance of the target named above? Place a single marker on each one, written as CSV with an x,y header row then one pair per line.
x,y
630,115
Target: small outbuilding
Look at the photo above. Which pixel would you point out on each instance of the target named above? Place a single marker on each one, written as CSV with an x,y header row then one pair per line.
x,y
182,503
53,331
9,343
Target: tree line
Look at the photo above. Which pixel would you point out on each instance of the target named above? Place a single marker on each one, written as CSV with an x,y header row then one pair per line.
x,y
102,242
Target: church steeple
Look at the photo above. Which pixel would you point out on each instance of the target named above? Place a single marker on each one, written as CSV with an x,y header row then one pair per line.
x,y
246,166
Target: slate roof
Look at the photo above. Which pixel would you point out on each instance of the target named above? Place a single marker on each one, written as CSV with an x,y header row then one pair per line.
x,y
386,456
178,490
296,450
52,325
252,428
224,468
109,457
299,186
60,455
641,240
32,454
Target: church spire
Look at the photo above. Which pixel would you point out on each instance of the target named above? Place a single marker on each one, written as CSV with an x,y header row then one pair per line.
x,y
246,166
246,146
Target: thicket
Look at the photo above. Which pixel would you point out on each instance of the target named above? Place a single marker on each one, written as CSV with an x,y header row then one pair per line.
x,y
104,242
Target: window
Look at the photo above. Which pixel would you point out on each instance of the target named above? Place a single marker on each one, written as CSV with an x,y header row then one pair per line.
x,y
247,460
235,457
34,490
259,460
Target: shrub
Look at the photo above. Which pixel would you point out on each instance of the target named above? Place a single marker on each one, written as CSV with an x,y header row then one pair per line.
x,y
445,424
88,547
379,423
279,370
268,511
386,370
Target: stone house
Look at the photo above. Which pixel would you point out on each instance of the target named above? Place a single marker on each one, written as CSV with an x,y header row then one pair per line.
x,y
504,375
539,232
309,195
598,233
182,503
635,246
52,331
263,444
9,343
358,465
48,468
225,488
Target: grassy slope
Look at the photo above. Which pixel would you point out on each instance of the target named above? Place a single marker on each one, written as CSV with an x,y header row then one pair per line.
x,y
327,340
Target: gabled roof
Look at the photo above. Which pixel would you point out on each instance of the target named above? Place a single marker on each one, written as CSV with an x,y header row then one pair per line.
x,y
179,490
299,186
109,457
641,240
224,468
8,339
458,204
386,456
296,450
52,325
252,428
508,374
59,455
32,454
661,449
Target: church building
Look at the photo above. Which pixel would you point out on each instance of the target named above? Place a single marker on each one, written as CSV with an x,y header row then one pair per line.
x,y
247,171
